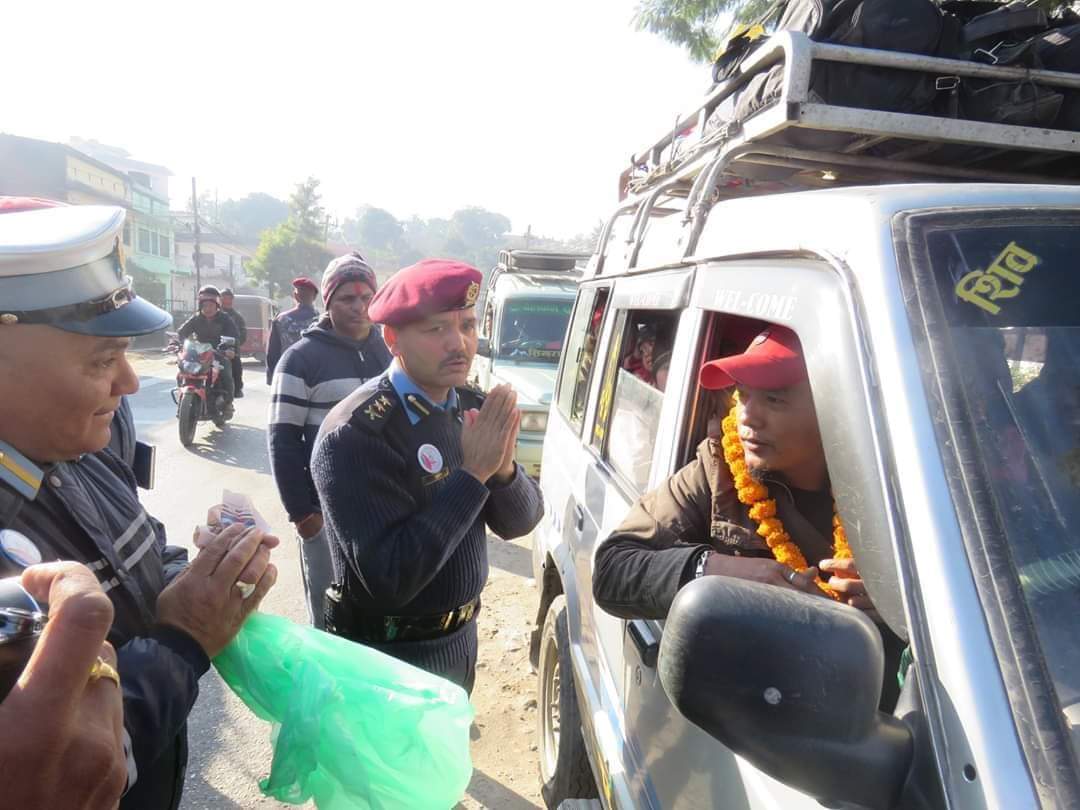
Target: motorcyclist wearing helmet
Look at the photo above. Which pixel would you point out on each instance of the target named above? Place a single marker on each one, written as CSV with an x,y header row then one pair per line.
x,y
209,325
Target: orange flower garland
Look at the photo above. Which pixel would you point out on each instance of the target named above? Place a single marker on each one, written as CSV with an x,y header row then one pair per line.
x,y
762,509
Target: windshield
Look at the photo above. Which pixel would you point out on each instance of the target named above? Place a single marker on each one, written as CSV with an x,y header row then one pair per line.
x,y
1007,289
533,329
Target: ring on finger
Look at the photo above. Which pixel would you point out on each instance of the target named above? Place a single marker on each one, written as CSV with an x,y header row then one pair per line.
x,y
246,589
103,669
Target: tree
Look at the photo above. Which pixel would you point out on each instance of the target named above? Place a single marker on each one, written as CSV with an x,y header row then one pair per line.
x,y
293,248
306,216
695,24
699,25
374,229
249,216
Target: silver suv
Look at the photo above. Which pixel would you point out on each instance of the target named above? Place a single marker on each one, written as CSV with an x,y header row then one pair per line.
x,y
941,334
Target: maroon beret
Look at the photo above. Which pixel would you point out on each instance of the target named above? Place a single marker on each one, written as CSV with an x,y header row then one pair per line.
x,y
426,288
304,281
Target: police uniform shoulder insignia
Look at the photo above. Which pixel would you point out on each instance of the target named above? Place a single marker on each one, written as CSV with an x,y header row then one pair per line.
x,y
372,413
19,472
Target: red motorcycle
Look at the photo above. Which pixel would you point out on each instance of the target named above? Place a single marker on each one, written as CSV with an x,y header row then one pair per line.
x,y
197,395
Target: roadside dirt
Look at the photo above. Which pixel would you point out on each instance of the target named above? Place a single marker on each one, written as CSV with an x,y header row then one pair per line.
x,y
505,770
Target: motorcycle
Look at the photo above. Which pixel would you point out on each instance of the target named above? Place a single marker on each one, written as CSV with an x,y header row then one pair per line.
x,y
197,395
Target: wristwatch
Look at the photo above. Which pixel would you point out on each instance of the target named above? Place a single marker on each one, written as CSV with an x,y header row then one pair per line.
x,y
699,570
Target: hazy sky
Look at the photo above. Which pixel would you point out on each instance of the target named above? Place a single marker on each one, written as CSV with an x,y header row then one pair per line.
x,y
527,108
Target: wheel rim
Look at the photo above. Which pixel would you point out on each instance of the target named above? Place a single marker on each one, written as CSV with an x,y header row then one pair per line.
x,y
550,688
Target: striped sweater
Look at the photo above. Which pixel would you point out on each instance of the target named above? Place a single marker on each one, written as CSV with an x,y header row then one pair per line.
x,y
313,375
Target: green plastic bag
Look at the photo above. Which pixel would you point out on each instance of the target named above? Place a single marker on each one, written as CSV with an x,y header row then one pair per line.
x,y
353,728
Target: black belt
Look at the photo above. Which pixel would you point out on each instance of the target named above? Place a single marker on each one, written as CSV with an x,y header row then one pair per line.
x,y
389,629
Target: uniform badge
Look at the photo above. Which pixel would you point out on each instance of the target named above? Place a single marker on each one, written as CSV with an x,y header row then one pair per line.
x,y
378,408
472,293
430,458
19,548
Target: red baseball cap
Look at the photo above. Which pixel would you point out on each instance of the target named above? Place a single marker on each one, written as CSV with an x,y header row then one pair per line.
x,y
304,281
773,360
426,288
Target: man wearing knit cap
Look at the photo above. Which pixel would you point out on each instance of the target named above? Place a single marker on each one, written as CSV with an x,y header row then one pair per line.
x,y
410,469
332,359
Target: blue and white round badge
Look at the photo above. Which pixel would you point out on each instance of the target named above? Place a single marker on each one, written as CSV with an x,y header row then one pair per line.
x,y
19,549
430,458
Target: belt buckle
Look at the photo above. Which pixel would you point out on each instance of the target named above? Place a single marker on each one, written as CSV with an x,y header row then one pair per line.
x,y
448,620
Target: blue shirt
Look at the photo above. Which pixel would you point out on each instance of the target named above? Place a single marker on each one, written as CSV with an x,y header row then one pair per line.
x,y
404,385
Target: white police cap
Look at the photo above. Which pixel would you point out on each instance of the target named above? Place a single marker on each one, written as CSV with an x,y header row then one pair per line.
x,y
63,266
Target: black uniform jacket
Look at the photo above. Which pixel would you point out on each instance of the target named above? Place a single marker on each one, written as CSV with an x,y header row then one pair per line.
x,y
88,511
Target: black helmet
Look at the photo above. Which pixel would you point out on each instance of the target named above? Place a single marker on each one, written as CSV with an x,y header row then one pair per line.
x,y
227,291
209,293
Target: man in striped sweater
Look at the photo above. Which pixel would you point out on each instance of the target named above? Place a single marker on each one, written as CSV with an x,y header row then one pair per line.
x,y
411,469
332,359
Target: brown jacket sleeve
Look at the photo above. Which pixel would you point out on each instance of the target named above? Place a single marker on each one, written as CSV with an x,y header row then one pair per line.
x,y
642,565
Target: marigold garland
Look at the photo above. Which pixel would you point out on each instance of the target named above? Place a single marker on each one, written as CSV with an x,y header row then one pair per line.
x,y
762,508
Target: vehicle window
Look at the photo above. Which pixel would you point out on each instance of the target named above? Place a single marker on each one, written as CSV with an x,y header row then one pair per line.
x,y
533,329
1008,292
631,392
583,336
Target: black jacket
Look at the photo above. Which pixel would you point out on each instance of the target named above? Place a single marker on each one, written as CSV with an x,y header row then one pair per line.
x,y
88,511
312,377
241,326
209,330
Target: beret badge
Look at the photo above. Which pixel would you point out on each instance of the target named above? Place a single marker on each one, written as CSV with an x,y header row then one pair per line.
x,y
472,293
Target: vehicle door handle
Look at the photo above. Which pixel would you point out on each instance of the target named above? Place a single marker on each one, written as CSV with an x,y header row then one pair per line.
x,y
647,646
579,518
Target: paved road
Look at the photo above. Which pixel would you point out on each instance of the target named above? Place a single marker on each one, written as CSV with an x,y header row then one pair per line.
x,y
230,748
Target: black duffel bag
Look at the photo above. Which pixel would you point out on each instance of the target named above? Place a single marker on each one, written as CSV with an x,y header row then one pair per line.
x,y
913,26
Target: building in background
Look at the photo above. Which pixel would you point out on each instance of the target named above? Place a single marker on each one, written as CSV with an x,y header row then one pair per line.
x,y
29,167
63,172
148,231
222,260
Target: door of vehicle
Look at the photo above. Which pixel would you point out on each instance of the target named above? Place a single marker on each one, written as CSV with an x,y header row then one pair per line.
x,y
621,445
683,767
480,375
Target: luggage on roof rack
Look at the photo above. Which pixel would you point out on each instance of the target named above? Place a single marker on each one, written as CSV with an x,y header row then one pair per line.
x,y
796,140
523,261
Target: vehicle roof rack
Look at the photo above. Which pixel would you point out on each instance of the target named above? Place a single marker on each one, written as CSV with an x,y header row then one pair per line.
x,y
548,261
800,142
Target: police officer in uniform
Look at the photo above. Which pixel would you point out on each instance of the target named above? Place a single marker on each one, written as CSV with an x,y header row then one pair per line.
x,y
410,469
67,313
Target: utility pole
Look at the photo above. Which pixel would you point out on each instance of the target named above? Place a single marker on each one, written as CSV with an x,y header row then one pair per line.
x,y
195,255
326,230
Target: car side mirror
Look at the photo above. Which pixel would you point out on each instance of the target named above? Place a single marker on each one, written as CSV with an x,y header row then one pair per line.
x,y
483,347
791,683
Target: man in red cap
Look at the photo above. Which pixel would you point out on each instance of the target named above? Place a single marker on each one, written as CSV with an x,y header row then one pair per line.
x,y
289,326
410,470
695,523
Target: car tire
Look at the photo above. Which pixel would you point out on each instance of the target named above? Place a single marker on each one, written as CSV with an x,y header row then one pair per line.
x,y
565,772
